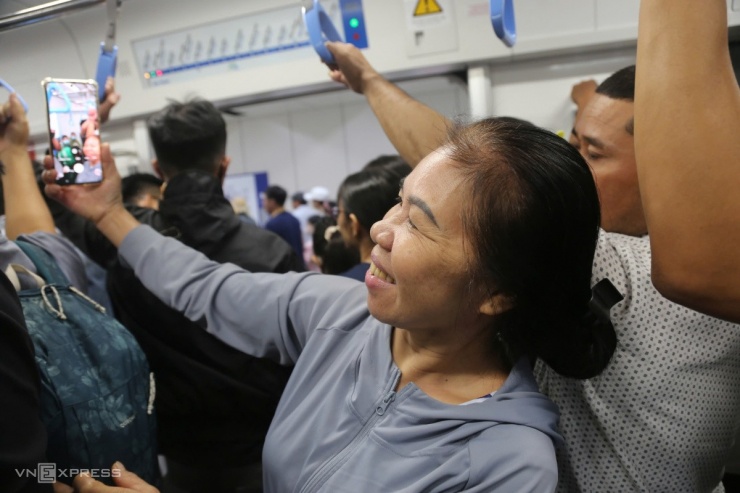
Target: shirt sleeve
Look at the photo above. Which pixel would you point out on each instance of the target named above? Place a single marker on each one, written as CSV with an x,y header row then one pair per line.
x,y
264,315
625,261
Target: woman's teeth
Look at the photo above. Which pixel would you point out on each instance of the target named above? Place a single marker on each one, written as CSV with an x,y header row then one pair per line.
x,y
381,275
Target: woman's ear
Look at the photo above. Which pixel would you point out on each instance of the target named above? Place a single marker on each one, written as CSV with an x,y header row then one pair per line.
x,y
355,225
496,304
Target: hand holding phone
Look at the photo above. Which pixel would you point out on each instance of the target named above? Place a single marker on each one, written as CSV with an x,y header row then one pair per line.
x,y
74,130
101,204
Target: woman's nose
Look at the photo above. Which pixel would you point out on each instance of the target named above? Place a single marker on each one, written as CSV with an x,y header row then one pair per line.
x,y
382,233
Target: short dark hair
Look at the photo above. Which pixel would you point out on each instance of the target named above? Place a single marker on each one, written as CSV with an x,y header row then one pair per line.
x,y
276,193
532,219
370,193
136,185
621,85
298,197
188,135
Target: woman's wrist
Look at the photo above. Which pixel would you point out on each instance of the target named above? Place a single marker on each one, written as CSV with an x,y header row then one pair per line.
x,y
14,156
116,223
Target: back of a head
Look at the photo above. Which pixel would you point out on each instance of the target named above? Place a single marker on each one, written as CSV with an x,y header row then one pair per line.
x,y
298,198
188,136
370,193
329,246
392,165
532,218
619,85
276,193
389,163
135,185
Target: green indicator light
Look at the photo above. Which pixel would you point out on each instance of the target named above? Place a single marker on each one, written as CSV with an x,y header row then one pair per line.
x,y
354,22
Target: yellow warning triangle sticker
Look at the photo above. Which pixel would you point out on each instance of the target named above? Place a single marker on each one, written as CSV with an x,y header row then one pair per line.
x,y
426,7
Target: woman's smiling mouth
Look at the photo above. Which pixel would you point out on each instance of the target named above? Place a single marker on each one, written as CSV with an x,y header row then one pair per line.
x,y
374,270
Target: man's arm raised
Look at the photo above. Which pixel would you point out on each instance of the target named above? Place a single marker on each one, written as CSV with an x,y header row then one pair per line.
x,y
413,128
687,123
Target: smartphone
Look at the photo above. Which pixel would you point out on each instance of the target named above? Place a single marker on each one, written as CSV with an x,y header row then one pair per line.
x,y
74,130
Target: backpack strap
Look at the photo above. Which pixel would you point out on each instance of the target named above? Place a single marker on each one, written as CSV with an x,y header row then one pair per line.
x,y
12,273
45,263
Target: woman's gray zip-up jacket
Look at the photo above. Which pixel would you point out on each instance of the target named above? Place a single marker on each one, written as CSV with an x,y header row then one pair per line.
x,y
341,426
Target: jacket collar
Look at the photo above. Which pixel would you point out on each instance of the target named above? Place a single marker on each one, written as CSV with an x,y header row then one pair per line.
x,y
518,401
195,205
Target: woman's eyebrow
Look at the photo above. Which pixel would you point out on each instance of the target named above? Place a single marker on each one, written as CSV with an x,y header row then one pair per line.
x,y
414,200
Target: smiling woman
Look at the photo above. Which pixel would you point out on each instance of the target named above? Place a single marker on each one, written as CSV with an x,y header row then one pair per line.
x,y
425,372
506,217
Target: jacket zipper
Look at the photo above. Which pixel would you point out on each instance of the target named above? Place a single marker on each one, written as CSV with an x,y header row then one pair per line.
x,y
331,466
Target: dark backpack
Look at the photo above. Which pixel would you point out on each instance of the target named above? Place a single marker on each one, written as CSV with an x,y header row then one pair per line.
x,y
97,394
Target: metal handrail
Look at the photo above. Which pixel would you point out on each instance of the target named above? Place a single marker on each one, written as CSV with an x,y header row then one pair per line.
x,y
42,12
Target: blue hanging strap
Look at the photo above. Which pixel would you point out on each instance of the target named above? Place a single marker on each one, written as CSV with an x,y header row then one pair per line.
x,y
108,50
11,90
320,29
502,19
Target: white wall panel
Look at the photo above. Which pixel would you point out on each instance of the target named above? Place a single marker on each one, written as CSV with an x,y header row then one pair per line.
x,y
318,143
621,14
364,137
234,148
266,145
544,19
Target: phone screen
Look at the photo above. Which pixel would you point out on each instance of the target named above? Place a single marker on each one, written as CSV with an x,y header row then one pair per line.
x,y
74,130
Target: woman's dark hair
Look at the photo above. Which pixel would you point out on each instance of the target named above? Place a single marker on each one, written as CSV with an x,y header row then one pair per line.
x,y
532,219
370,193
336,257
392,164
